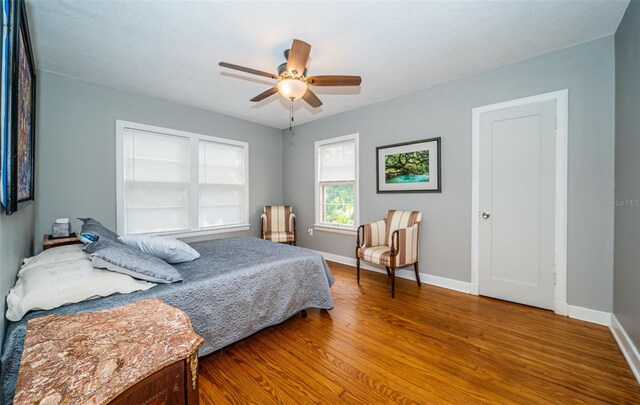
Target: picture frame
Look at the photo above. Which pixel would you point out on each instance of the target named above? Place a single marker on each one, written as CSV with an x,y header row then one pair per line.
x,y
409,167
18,108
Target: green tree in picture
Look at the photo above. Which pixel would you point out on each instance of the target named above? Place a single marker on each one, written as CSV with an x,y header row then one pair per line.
x,y
409,167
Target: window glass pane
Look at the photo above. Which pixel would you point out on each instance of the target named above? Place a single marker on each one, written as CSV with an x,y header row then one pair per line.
x,y
218,216
338,203
153,220
156,207
220,204
337,162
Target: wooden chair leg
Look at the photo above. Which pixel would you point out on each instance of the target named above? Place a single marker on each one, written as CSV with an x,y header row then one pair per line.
x,y
415,266
393,283
358,269
388,271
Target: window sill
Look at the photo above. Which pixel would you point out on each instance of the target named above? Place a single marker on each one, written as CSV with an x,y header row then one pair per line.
x,y
334,229
203,232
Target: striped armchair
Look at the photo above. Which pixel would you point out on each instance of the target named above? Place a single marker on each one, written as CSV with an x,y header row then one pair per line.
x,y
391,242
279,224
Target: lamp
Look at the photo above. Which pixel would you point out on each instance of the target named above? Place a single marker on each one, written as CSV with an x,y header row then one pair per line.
x,y
292,89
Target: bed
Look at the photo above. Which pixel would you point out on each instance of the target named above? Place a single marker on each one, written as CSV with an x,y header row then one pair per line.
x,y
237,287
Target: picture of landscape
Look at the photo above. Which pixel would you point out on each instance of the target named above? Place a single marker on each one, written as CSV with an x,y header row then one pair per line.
x,y
410,167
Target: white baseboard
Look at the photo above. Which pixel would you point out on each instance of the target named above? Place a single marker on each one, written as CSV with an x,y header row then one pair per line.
x,y
474,289
438,281
590,315
629,350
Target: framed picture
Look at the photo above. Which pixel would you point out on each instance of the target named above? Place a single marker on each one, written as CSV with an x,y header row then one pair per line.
x,y
18,121
410,167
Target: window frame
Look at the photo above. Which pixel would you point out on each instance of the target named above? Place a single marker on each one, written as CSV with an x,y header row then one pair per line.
x,y
194,180
331,227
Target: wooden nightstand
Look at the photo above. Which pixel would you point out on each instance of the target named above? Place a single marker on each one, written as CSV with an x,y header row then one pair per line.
x,y
49,242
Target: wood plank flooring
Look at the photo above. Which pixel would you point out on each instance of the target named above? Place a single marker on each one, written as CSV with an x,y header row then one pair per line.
x,y
428,346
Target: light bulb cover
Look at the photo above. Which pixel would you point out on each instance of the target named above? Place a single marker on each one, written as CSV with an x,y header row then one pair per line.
x,y
292,89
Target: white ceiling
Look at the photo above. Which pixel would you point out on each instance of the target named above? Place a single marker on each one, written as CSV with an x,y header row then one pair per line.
x,y
171,49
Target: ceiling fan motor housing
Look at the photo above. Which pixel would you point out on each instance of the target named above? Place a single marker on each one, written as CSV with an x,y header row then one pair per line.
x,y
282,69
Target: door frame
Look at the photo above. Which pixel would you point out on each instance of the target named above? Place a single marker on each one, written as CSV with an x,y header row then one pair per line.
x,y
561,187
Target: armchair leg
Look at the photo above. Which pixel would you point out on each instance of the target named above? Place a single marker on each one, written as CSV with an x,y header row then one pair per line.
x,y
358,269
388,271
415,266
393,282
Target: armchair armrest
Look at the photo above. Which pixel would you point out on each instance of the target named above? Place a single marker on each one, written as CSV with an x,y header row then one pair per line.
x,y
373,234
404,244
292,222
263,220
358,238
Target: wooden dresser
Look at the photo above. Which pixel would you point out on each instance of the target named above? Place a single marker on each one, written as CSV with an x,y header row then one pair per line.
x,y
173,385
141,353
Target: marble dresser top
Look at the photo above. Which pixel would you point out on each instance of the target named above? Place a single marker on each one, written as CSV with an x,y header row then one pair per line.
x,y
93,357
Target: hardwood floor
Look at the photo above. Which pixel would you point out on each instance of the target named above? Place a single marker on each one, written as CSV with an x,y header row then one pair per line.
x,y
429,345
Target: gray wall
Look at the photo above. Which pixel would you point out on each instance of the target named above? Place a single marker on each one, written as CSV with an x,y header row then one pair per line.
x,y
76,140
586,70
16,243
626,287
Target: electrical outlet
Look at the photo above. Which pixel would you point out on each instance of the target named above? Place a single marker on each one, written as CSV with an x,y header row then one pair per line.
x,y
310,231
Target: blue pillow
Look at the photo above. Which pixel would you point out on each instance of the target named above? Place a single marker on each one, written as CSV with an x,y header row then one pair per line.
x,y
169,249
118,257
92,230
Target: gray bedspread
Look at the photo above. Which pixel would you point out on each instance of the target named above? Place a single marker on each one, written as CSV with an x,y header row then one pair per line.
x,y
237,287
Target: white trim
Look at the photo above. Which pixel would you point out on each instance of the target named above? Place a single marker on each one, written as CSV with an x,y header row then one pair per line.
x,y
335,229
629,350
562,135
589,315
437,281
356,214
122,126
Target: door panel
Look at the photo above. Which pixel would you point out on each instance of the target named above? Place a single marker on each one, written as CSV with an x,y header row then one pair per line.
x,y
517,190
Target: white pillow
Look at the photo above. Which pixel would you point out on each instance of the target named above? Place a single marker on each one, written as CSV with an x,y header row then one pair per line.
x,y
55,255
52,285
171,250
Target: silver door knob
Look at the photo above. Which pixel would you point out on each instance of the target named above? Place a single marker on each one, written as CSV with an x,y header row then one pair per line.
x,y
486,215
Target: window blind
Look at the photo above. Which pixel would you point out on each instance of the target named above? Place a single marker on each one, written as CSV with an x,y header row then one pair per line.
x,y
337,162
221,179
156,182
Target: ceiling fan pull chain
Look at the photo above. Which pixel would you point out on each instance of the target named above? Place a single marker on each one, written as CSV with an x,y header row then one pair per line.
x,y
291,116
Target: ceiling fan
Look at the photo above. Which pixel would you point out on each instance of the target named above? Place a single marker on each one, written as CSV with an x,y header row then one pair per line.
x,y
292,80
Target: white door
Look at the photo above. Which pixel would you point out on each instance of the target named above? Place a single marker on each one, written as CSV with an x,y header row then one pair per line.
x,y
517,204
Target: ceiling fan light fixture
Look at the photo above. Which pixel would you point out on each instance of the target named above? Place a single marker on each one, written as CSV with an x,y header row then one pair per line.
x,y
292,89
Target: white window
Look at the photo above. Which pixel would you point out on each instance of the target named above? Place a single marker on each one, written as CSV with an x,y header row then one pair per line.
x,y
337,187
179,183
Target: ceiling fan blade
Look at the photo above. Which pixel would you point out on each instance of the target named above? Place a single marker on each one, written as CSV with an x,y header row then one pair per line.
x,y
265,94
334,80
247,70
298,57
312,99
